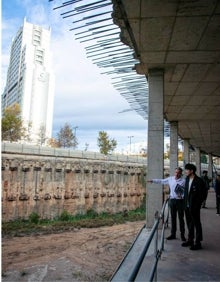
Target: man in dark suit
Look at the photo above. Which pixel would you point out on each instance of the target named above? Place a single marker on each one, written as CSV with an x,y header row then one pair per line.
x,y
194,195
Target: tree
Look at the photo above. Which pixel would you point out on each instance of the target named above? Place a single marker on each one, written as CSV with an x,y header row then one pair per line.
x,y
106,145
12,124
167,152
66,138
204,159
52,142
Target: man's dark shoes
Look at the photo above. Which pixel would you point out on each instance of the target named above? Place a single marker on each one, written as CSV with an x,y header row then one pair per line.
x,y
183,238
196,247
187,244
171,237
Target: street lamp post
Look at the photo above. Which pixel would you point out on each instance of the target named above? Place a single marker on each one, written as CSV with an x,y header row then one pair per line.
x,y
130,142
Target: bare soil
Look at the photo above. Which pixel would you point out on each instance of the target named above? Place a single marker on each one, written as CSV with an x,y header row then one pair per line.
x,y
87,254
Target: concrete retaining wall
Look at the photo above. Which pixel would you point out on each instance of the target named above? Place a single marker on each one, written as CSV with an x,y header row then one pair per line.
x,y
49,185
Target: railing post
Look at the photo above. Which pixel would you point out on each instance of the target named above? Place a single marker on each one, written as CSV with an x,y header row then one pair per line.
x,y
156,216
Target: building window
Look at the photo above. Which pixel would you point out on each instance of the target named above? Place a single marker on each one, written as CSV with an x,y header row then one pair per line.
x,y
39,56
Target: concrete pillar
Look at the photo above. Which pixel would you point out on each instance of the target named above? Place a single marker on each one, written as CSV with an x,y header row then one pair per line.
x,y
198,161
210,165
173,146
186,158
155,159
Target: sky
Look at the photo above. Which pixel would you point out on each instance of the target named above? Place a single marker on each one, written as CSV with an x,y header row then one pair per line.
x,y
84,98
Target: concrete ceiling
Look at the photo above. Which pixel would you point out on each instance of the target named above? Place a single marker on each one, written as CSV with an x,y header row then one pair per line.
x,y
183,38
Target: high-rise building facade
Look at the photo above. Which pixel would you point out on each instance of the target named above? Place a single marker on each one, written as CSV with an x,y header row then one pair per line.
x,y
30,80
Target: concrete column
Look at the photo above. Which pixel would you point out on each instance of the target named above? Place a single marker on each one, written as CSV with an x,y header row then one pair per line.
x,y
210,165
173,146
186,158
155,159
198,161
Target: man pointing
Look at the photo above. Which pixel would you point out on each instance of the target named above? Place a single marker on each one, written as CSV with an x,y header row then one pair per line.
x,y
176,203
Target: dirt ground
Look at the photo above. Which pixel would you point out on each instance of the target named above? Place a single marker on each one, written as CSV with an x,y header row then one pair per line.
x,y
81,255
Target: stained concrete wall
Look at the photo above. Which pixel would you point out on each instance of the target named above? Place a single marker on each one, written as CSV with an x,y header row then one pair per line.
x,y
49,185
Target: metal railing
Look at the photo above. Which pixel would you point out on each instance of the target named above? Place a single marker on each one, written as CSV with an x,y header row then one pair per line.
x,y
16,148
158,251
70,153
153,237
154,234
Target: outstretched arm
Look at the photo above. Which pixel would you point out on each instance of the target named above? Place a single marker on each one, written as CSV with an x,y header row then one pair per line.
x,y
159,181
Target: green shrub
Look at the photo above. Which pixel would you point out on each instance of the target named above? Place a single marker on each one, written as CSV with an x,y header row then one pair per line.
x,y
34,217
65,216
91,213
66,221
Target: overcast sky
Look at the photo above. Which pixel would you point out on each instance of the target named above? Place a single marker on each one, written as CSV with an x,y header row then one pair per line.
x,y
83,97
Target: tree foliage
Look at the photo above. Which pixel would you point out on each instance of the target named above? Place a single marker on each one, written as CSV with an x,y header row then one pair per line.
x,y
52,142
66,138
12,124
105,144
204,159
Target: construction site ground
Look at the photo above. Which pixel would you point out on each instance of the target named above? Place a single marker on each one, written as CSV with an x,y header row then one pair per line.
x,y
86,254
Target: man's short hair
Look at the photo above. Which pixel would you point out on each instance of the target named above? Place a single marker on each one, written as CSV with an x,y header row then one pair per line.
x,y
180,169
205,171
191,167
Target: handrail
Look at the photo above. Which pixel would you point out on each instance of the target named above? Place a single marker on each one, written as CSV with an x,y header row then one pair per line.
x,y
158,252
16,148
142,255
162,217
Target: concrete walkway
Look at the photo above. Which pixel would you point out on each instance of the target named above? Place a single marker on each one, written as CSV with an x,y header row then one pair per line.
x,y
181,264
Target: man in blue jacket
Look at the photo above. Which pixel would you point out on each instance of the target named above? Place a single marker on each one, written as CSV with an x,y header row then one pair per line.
x,y
194,194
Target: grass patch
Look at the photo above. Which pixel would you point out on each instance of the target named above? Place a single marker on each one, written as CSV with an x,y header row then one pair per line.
x,y
66,222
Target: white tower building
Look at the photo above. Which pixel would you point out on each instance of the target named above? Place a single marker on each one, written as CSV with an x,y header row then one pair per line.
x,y
30,80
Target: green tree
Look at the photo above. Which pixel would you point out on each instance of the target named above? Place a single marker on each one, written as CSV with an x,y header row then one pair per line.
x,y
106,145
204,159
12,124
66,138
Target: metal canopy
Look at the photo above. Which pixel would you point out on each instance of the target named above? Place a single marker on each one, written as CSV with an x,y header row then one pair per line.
x,y
182,37
93,26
